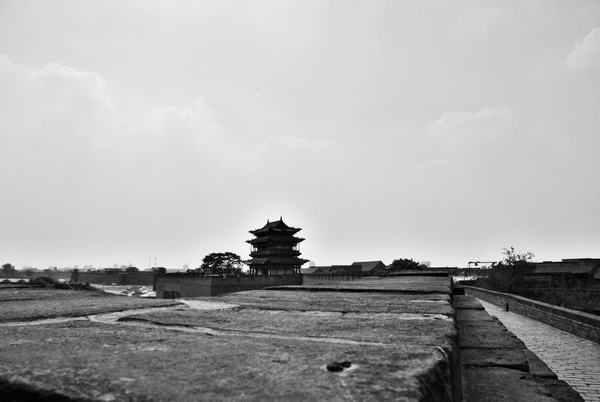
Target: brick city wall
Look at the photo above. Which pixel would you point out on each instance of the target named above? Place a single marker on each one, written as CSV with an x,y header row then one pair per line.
x,y
145,278
575,322
192,285
324,279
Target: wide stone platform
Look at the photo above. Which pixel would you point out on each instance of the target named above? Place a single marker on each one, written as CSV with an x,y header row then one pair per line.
x,y
367,340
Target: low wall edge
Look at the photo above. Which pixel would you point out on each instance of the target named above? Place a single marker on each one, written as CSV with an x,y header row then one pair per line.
x,y
578,323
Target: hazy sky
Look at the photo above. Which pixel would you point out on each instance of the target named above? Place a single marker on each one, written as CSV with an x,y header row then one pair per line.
x,y
440,131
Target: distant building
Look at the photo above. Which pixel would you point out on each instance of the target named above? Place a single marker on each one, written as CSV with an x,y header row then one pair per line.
x,y
581,269
331,270
363,268
370,267
275,250
309,270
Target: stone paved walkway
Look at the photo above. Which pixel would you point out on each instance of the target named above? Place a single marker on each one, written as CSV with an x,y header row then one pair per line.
x,y
573,359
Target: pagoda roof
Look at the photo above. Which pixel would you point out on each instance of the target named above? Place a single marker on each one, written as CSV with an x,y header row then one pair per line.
x,y
276,239
275,226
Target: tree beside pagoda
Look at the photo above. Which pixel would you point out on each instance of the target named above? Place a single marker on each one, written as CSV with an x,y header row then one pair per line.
x,y
224,264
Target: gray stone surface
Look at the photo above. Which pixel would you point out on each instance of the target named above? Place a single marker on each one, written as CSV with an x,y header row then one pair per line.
x,y
340,301
91,360
38,303
466,302
537,367
473,315
509,358
252,346
410,329
504,384
486,334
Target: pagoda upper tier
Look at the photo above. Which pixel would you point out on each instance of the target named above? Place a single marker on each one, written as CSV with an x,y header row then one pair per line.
x,y
275,232
275,227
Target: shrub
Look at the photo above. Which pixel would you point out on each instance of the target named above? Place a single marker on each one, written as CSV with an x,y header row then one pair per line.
x,y
405,264
43,281
46,282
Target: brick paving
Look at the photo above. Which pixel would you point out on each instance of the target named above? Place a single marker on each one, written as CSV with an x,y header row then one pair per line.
x,y
573,359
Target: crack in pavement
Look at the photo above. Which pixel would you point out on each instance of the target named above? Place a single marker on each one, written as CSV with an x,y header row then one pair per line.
x,y
242,333
124,318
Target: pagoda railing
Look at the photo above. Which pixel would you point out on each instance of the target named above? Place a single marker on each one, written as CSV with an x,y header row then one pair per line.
x,y
295,248
274,253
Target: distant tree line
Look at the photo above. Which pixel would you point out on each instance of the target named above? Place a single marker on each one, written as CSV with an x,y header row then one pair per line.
x,y
8,270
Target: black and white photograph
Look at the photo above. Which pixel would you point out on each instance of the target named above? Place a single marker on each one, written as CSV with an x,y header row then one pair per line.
x,y
300,200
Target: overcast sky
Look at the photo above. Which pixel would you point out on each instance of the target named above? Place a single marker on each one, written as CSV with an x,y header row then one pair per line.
x,y
439,131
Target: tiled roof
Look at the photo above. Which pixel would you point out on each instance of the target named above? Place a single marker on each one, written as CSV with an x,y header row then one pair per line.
x,y
367,266
308,270
275,226
562,268
332,269
276,239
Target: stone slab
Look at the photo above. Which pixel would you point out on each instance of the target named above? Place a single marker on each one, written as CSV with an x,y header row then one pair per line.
x,y
457,289
463,302
132,362
339,301
473,315
537,367
561,391
405,284
488,335
509,358
504,384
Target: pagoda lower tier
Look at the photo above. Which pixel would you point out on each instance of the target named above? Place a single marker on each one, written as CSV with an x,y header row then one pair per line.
x,y
275,265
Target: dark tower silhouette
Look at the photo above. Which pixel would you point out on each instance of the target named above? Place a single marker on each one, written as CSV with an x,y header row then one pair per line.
x,y
275,250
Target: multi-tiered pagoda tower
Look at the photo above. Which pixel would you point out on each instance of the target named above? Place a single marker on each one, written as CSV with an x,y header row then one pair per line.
x,y
275,250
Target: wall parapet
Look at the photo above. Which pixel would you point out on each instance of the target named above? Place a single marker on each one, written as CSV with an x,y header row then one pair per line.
x,y
119,278
178,285
320,278
578,323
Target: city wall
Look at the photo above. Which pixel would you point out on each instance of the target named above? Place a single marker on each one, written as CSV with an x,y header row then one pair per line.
x,y
175,285
575,322
145,278
170,286
324,279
